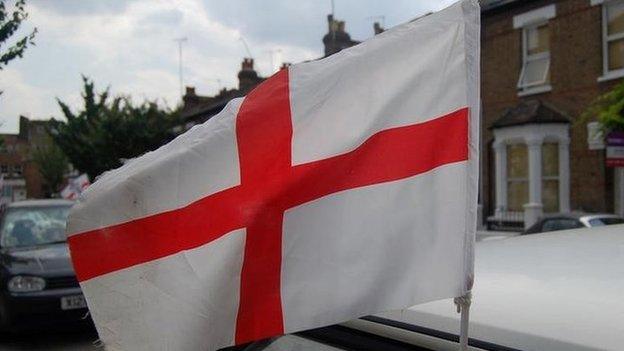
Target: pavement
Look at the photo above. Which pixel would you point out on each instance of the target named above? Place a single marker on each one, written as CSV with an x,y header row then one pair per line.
x,y
486,235
50,341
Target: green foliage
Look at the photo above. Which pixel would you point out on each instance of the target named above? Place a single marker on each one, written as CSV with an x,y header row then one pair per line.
x,y
52,164
9,24
608,109
110,130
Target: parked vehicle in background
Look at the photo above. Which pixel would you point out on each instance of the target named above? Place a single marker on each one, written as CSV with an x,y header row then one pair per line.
x,y
38,286
563,221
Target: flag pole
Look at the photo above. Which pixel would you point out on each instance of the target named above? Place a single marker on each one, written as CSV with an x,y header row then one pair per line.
x,y
463,307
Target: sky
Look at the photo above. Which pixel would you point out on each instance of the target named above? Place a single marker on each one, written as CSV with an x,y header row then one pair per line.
x,y
129,45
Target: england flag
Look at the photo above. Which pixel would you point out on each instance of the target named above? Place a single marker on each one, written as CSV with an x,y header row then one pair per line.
x,y
337,188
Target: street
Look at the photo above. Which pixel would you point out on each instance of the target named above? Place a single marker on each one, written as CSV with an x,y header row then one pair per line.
x,y
81,340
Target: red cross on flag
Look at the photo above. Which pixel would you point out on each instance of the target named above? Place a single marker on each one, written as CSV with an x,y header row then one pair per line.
x,y
337,188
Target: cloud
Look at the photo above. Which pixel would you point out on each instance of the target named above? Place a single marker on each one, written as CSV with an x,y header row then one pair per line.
x,y
129,45
12,99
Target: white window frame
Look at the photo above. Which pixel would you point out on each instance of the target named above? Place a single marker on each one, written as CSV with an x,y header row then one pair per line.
x,y
526,58
606,38
526,20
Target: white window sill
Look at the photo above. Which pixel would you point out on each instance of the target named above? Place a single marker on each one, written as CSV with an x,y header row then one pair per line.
x,y
535,90
611,75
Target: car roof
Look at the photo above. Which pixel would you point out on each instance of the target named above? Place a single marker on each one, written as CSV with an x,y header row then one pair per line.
x,y
41,203
551,291
578,215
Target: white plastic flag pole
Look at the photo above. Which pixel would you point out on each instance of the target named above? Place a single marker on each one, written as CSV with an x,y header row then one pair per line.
x,y
463,307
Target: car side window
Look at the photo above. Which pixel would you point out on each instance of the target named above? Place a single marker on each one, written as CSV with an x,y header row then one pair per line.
x,y
560,224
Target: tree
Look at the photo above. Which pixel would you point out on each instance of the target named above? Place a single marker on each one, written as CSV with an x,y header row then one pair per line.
x,y
52,164
608,109
9,24
107,131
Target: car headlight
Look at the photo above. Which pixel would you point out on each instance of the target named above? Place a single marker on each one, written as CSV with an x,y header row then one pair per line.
x,y
23,283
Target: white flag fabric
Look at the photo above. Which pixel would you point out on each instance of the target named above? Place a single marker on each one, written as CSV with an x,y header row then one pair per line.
x,y
336,189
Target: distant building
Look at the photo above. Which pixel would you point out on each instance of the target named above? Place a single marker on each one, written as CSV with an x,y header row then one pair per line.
x,y
198,109
543,62
337,38
21,178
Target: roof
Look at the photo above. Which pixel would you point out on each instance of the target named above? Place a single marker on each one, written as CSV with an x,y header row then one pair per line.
x,y
530,291
41,203
204,105
533,111
487,5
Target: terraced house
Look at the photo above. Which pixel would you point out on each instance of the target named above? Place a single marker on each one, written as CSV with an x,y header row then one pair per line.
x,y
543,63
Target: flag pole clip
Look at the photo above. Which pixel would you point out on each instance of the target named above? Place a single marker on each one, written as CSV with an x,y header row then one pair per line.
x,y
463,307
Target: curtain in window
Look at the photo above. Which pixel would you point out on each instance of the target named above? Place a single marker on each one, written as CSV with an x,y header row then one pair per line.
x,y
550,177
517,177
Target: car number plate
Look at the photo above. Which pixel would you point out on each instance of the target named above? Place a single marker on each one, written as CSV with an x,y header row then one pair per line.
x,y
73,302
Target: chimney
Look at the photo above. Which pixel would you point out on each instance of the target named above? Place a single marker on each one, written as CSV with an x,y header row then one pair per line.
x,y
378,28
247,77
285,65
340,25
247,64
190,91
336,38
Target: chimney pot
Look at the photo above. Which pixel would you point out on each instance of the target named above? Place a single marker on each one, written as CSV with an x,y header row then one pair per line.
x,y
190,91
378,28
247,64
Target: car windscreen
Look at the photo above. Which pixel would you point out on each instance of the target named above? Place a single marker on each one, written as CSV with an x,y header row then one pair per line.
x,y
32,226
598,222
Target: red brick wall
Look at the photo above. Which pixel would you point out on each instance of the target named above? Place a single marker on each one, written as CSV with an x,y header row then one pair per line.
x,y
576,63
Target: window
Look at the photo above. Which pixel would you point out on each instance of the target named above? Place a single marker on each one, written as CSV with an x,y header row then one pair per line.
x,y
550,177
4,169
613,36
17,170
551,225
599,222
517,177
7,191
535,56
28,226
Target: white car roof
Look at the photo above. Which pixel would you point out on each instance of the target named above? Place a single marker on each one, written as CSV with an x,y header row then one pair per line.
x,y
553,291
599,215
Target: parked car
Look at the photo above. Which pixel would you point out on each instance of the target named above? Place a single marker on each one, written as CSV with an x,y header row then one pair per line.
x,y
38,286
563,221
551,291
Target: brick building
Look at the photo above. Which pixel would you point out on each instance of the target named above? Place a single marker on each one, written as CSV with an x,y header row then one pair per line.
x,y
198,109
543,62
21,178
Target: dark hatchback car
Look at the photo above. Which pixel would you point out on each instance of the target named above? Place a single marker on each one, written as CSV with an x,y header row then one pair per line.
x,y
564,221
38,286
